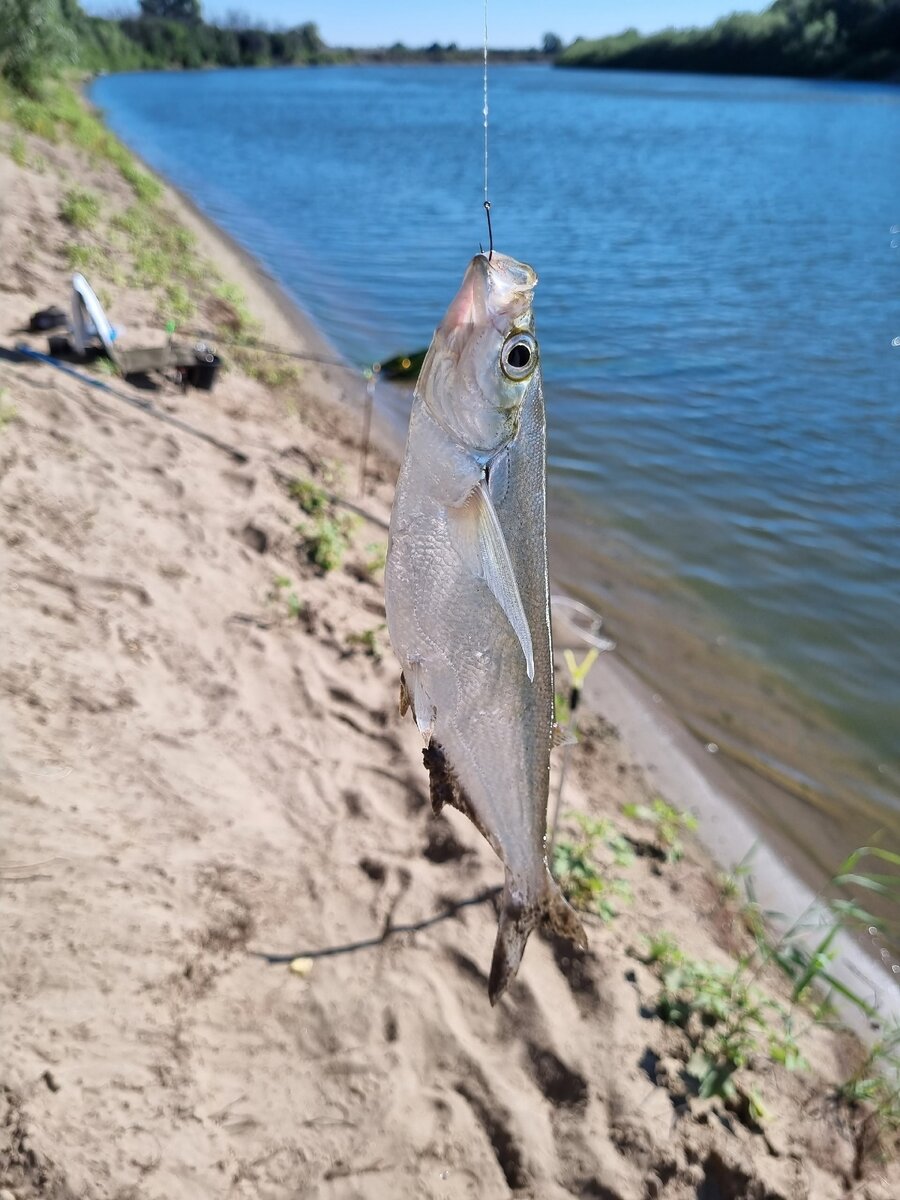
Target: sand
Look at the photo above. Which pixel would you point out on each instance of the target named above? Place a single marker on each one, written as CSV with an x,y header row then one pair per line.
x,y
203,763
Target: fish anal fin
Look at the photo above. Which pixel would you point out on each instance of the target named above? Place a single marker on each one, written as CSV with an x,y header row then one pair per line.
x,y
518,917
446,789
441,781
477,537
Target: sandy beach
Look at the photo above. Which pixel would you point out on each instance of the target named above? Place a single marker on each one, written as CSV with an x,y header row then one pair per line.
x,y
203,767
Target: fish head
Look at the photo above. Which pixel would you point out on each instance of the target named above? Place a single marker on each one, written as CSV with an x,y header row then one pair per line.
x,y
483,360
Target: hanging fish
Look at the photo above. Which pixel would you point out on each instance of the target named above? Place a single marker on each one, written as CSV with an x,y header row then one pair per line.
x,y
466,589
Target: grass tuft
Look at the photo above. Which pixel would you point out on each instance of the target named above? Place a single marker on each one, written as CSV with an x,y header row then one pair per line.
x,y
18,151
587,883
80,208
326,541
727,1021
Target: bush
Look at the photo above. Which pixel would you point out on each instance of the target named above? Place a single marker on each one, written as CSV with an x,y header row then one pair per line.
x,y
35,41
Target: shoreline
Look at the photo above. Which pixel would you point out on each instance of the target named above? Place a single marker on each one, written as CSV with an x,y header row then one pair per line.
x,y
281,315
656,738
204,773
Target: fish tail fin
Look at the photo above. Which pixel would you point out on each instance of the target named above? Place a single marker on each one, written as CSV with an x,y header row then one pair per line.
x,y
518,917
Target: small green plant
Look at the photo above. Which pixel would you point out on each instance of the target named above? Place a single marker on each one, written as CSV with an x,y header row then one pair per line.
x,y
874,1090
81,257
152,267
274,375
562,709
313,500
177,304
808,966
583,879
376,557
80,208
327,540
726,1020
234,319
668,824
18,150
295,606
367,641
730,881
146,188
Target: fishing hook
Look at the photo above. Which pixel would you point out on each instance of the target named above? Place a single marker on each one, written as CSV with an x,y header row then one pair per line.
x,y
487,213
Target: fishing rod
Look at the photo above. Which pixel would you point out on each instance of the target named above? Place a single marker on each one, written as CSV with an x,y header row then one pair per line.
x,y
269,348
144,406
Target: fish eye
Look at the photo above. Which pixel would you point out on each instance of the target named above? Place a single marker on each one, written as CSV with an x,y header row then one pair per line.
x,y
518,356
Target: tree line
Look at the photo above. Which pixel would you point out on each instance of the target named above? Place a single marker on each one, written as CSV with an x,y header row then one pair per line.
x,y
857,39
851,39
37,36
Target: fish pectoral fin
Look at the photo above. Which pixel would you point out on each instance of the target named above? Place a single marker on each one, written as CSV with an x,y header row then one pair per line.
x,y
405,698
477,537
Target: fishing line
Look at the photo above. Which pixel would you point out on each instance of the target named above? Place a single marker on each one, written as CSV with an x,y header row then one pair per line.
x,y
487,203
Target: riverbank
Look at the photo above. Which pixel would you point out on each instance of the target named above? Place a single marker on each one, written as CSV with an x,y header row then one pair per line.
x,y
203,761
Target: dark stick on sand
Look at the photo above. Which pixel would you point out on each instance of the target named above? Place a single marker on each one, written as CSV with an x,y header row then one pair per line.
x,y
389,930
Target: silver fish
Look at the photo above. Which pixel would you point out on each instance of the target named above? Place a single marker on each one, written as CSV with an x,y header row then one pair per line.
x,y
466,589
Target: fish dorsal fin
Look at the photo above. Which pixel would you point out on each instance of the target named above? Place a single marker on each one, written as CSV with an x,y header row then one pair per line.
x,y
478,539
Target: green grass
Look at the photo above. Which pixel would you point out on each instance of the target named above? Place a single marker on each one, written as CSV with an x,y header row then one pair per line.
x,y
586,882
176,304
368,642
34,117
313,500
80,208
274,375
872,1095
668,824
233,315
283,591
377,557
326,541
82,257
808,966
726,1019
18,150
147,189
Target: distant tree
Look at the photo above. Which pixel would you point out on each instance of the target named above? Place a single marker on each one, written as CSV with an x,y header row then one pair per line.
x,y
173,10
310,38
35,41
552,44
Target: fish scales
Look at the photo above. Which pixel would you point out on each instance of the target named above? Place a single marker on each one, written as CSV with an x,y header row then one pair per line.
x,y
466,588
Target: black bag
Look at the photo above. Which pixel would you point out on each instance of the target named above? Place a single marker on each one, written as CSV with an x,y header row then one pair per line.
x,y
48,318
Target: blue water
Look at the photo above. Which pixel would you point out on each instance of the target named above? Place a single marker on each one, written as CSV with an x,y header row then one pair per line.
x,y
719,292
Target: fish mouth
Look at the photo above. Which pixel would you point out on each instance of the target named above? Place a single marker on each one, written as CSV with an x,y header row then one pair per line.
x,y
495,290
